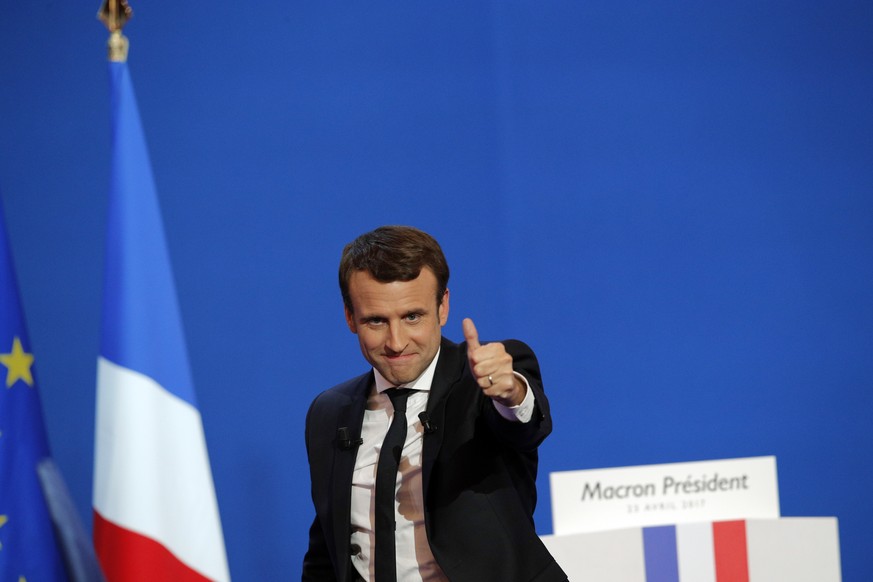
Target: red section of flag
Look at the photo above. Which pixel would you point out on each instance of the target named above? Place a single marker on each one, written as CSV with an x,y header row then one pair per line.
x,y
731,554
126,556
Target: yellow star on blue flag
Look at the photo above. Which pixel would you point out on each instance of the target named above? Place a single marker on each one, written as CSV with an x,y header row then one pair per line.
x,y
18,364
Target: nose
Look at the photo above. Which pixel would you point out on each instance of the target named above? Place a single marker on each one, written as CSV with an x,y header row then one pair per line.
x,y
396,340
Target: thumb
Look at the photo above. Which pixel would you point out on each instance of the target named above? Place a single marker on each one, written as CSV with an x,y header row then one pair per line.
x,y
470,334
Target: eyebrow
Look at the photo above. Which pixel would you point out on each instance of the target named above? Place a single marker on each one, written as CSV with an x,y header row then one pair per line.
x,y
415,311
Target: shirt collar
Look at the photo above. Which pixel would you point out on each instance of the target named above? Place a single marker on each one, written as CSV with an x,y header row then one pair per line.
x,y
423,382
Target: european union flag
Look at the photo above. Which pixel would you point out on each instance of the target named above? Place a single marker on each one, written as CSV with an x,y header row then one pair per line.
x,y
28,548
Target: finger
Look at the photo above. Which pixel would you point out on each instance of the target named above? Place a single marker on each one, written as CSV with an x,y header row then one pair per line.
x,y
470,334
490,364
507,390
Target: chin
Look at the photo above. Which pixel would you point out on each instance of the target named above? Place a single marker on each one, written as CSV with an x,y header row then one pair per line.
x,y
398,379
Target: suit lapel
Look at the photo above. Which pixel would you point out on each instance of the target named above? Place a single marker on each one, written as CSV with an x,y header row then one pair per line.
x,y
448,371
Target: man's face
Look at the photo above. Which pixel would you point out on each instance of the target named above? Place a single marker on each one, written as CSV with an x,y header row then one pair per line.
x,y
398,324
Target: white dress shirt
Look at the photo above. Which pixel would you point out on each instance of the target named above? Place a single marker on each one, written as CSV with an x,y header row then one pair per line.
x,y
415,562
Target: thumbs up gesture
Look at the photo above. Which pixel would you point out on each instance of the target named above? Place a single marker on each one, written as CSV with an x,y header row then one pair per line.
x,y
491,367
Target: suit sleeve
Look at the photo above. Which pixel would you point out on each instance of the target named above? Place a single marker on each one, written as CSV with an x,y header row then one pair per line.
x,y
317,565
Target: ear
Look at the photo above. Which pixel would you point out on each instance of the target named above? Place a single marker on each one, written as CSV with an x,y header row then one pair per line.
x,y
350,320
443,309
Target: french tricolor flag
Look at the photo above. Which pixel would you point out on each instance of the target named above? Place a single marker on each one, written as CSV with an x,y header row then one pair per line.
x,y
155,511
699,552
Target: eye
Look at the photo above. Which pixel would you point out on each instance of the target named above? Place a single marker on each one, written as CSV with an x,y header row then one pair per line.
x,y
413,317
374,321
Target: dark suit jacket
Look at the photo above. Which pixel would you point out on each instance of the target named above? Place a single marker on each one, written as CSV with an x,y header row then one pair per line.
x,y
478,476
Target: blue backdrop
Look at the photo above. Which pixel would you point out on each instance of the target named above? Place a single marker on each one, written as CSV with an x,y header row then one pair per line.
x,y
672,203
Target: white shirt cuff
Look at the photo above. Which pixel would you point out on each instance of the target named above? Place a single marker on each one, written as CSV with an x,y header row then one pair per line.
x,y
524,411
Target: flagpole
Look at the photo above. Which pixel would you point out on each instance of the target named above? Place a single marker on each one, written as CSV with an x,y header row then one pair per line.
x,y
115,14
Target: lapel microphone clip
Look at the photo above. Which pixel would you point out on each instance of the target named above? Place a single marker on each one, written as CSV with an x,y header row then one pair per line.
x,y
344,442
429,427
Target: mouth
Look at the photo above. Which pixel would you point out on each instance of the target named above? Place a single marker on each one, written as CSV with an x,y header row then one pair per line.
x,y
397,357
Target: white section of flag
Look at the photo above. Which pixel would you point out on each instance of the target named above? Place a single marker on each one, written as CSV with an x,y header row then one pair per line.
x,y
151,469
696,552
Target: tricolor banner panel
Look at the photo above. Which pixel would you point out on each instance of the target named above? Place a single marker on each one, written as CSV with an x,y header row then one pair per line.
x,y
766,550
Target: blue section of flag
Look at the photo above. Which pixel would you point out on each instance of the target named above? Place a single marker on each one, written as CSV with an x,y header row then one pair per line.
x,y
142,326
27,542
662,559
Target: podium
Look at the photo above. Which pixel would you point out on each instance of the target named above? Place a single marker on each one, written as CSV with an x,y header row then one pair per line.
x,y
792,549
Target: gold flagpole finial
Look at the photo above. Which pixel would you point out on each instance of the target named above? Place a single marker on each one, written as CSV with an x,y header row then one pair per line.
x,y
115,14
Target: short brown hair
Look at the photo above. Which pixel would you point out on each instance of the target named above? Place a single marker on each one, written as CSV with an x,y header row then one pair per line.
x,y
393,253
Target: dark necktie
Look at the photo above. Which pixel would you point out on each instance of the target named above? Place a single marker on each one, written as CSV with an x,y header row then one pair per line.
x,y
386,480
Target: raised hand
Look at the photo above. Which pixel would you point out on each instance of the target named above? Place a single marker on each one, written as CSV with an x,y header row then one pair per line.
x,y
491,366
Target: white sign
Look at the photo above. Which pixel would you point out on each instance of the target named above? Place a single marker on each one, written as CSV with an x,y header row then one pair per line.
x,y
602,499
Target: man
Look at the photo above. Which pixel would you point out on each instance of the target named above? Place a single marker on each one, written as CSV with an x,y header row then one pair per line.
x,y
464,492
